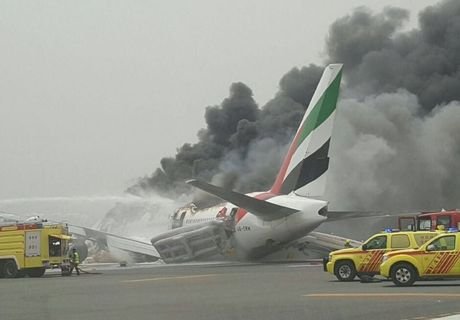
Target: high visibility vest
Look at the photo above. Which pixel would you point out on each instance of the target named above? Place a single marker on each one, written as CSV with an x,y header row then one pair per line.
x,y
75,257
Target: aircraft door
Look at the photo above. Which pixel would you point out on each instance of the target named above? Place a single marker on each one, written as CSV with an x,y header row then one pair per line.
x,y
230,220
178,219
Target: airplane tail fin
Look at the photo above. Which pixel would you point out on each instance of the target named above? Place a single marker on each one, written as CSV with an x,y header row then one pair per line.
x,y
305,166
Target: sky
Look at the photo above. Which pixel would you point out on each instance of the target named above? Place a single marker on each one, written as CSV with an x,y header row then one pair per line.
x,y
95,93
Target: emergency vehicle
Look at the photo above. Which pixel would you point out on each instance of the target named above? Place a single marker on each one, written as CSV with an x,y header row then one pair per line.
x,y
431,221
438,258
348,263
31,247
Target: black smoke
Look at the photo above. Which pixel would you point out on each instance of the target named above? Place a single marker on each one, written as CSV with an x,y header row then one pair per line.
x,y
396,143
380,58
242,144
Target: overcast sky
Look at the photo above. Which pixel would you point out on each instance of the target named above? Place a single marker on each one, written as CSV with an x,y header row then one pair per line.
x,y
95,93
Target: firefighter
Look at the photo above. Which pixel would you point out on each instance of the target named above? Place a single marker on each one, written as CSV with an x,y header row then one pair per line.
x,y
74,261
440,228
347,244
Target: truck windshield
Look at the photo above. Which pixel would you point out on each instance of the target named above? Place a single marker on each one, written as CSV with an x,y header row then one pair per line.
x,y
443,220
424,223
54,246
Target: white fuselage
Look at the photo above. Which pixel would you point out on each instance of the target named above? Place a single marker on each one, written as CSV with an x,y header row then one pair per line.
x,y
254,237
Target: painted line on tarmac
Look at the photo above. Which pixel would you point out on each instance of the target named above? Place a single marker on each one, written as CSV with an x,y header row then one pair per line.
x,y
170,278
384,295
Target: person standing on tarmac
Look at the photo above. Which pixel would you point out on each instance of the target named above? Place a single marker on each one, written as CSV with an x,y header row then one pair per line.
x,y
347,244
74,261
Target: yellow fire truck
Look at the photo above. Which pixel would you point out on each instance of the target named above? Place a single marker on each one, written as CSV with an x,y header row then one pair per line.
x,y
29,248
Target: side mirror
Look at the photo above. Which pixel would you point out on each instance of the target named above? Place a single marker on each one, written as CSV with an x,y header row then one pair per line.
x,y
364,247
431,247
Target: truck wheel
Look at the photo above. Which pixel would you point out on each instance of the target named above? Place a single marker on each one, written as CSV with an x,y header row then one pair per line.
x,y
36,272
9,269
403,274
345,271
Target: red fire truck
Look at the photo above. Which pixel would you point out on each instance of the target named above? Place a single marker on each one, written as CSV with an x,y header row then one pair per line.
x,y
427,221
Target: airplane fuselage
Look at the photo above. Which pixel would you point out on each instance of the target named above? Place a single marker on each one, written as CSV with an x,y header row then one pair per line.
x,y
253,237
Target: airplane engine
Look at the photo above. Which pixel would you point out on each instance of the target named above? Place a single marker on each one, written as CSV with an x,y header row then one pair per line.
x,y
192,242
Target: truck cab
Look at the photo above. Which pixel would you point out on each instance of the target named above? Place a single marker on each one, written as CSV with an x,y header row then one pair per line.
x,y
430,221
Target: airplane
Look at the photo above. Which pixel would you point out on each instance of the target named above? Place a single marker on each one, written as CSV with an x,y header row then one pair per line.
x,y
254,225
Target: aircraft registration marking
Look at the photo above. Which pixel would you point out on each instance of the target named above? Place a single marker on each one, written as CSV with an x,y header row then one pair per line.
x,y
243,228
170,278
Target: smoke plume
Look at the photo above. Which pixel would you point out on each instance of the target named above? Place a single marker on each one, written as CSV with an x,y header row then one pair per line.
x,y
396,144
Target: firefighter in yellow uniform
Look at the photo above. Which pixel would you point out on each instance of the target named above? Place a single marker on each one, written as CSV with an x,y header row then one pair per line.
x,y
347,244
74,261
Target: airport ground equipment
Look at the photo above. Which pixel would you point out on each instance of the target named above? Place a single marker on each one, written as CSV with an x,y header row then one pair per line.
x,y
365,260
426,221
438,258
31,247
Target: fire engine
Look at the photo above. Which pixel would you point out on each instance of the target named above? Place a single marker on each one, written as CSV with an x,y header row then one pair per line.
x,y
430,221
31,247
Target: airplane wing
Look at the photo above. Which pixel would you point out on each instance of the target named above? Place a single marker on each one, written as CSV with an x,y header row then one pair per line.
x,y
263,209
112,241
339,215
108,240
327,242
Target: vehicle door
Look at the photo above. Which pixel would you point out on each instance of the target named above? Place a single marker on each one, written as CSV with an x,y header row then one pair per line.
x,y
441,256
373,250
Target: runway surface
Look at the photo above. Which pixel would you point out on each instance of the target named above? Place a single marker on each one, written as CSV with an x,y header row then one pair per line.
x,y
220,291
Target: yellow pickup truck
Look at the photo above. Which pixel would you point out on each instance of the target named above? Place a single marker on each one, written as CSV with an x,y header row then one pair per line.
x,y
438,258
348,263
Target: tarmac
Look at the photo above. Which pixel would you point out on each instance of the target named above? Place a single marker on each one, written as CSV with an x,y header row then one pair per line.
x,y
220,291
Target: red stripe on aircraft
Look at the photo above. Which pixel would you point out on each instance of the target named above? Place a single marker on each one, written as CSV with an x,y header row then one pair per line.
x,y
276,188
241,212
